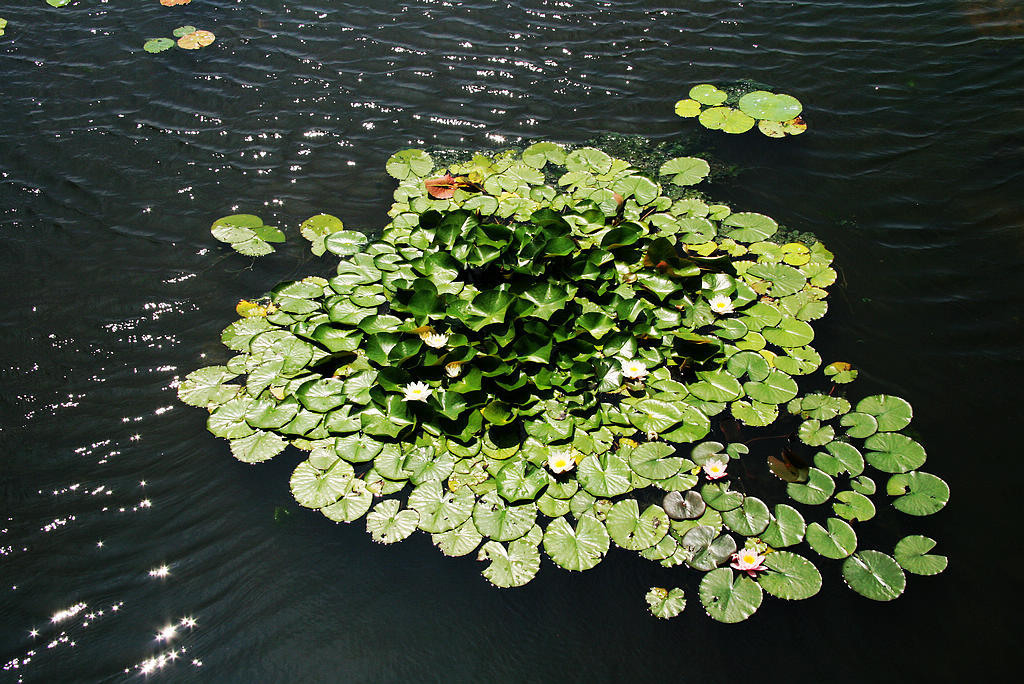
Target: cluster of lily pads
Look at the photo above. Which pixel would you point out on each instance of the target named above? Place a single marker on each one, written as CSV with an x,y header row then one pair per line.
x,y
740,108
530,362
188,38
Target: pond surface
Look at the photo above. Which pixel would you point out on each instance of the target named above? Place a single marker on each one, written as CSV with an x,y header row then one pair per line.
x,y
130,533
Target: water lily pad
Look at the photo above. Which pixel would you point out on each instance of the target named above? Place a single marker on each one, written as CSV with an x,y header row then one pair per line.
x,y
892,452
539,154
258,447
704,549
460,541
665,604
912,555
874,575
589,160
635,531
836,541
183,31
155,45
754,413
353,504
816,491
840,372
685,170
786,528
409,164
772,129
604,475
196,40
720,497
790,576
891,413
921,493
761,104
228,419
748,226
498,520
813,433
726,119
206,387
655,460
859,425
707,94
441,510
315,488
728,597
511,566
853,506
750,518
680,506
841,457
687,108
579,548
387,524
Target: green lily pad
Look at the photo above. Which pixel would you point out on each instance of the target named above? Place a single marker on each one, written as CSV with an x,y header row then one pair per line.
x,y
155,45
726,119
912,555
728,597
441,510
837,541
181,30
892,452
720,497
687,108
787,527
841,457
685,170
816,491
680,506
604,475
206,387
409,164
853,506
813,433
258,447
498,520
635,531
665,604
918,493
859,425
511,566
460,541
761,104
579,548
705,549
315,488
387,524
750,518
655,460
891,413
789,576
353,504
874,575
707,94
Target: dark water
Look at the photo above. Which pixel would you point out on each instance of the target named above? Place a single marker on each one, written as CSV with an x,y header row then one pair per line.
x,y
113,163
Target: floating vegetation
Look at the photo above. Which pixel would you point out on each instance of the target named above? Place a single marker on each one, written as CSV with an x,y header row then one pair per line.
x,y
246,234
3,25
548,352
172,3
742,108
58,3
188,38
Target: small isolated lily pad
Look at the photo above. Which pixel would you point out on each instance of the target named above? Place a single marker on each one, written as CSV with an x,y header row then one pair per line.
x,y
874,575
183,31
387,524
892,452
841,372
912,555
155,45
728,597
790,576
196,40
665,604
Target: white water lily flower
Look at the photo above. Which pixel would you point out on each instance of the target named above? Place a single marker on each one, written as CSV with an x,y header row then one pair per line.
x,y
453,369
434,340
748,561
721,304
561,462
634,369
417,391
715,468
